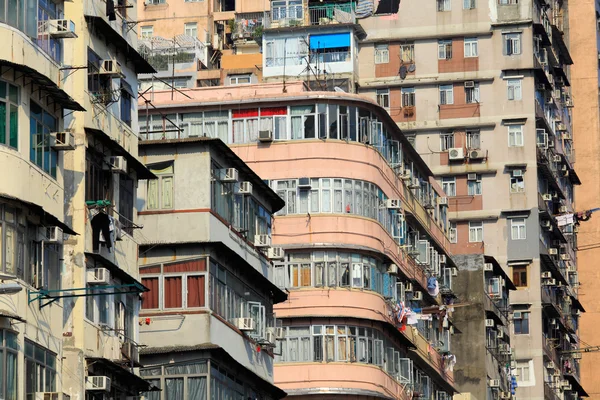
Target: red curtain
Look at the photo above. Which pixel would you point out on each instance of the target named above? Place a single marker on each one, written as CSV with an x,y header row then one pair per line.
x,y
150,299
186,266
268,112
173,292
245,113
195,291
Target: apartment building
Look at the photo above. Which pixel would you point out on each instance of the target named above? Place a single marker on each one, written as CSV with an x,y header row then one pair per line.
x,y
483,89
32,197
100,280
583,29
365,259
208,324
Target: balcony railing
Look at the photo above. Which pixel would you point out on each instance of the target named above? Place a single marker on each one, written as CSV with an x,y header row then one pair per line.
x,y
247,24
549,392
327,14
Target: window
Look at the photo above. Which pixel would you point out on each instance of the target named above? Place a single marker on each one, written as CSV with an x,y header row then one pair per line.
x,y
383,97
449,185
469,4
521,322
41,154
508,2
446,141
444,49
473,139
161,191
99,85
475,231
444,5
9,115
471,49
474,186
9,381
408,96
453,233
517,228
514,89
147,31
193,376
191,29
239,79
382,54
287,9
515,135
524,373
471,92
512,44
126,96
40,370
407,53
519,275
446,94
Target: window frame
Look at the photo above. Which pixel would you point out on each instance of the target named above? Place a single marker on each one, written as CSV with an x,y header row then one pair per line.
x,y
144,30
383,98
475,231
521,228
474,187
42,368
512,43
446,141
408,96
446,96
518,270
444,49
190,27
530,372
382,53
160,187
515,135
444,5
453,232
514,89
471,47
407,49
472,94
450,183
12,102
525,316
237,77
470,133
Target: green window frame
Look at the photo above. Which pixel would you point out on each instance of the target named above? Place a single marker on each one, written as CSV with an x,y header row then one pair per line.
x,y
9,115
42,124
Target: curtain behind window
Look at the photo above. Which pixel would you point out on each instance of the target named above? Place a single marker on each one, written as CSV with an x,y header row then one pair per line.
x,y
197,388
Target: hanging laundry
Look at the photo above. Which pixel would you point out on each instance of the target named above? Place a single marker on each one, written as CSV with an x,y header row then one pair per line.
x,y
433,287
364,8
110,10
101,223
412,319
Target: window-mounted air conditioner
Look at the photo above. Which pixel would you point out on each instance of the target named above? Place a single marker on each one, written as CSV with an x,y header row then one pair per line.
x,y
393,204
62,141
110,67
97,383
118,164
244,324
262,241
417,296
392,269
230,175
265,136
98,276
276,253
58,28
245,188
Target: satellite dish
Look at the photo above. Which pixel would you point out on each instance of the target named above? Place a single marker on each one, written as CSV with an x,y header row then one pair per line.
x,y
339,89
403,71
411,68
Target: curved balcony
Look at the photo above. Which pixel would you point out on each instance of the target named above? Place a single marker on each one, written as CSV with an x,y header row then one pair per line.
x,y
347,230
337,378
40,189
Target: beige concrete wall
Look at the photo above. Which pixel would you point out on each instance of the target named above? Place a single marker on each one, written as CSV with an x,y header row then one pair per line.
x,y
586,130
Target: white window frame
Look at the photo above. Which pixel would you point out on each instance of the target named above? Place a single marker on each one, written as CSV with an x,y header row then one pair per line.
x,y
475,231
514,89
470,133
444,49
446,94
472,94
407,49
517,184
449,185
382,54
521,365
235,79
444,5
446,141
511,43
408,96
146,32
453,233
383,98
469,4
515,135
189,28
471,47
518,228
474,187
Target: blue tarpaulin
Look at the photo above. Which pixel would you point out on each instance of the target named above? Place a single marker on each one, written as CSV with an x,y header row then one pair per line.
x,y
329,41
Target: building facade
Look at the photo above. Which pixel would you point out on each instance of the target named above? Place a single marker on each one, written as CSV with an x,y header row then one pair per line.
x,y
585,80
209,328
361,242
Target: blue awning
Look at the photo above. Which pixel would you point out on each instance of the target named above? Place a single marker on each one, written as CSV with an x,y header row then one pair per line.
x,y
329,41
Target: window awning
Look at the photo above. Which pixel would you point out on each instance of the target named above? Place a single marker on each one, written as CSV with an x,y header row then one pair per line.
x,y
46,218
115,270
329,41
127,381
45,84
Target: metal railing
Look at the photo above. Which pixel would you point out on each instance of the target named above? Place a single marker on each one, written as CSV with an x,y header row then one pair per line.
x,y
289,16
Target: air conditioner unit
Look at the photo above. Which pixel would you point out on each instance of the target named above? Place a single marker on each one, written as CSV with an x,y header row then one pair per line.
x,y
576,356
517,173
392,269
469,84
407,175
571,268
454,271
265,136
230,175
553,251
546,275
278,332
244,324
550,143
456,153
62,141
488,267
58,28
304,183
98,276
476,154
561,127
489,323
471,177
550,365
414,183
275,253
99,383
549,282
556,158
52,396
565,383
547,197
505,395
417,296
270,337
563,209
540,86
546,224
393,204
408,287
517,315
504,348
118,164
500,334
494,383
442,201
52,234
262,241
565,257
245,188
130,351
442,259
110,67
